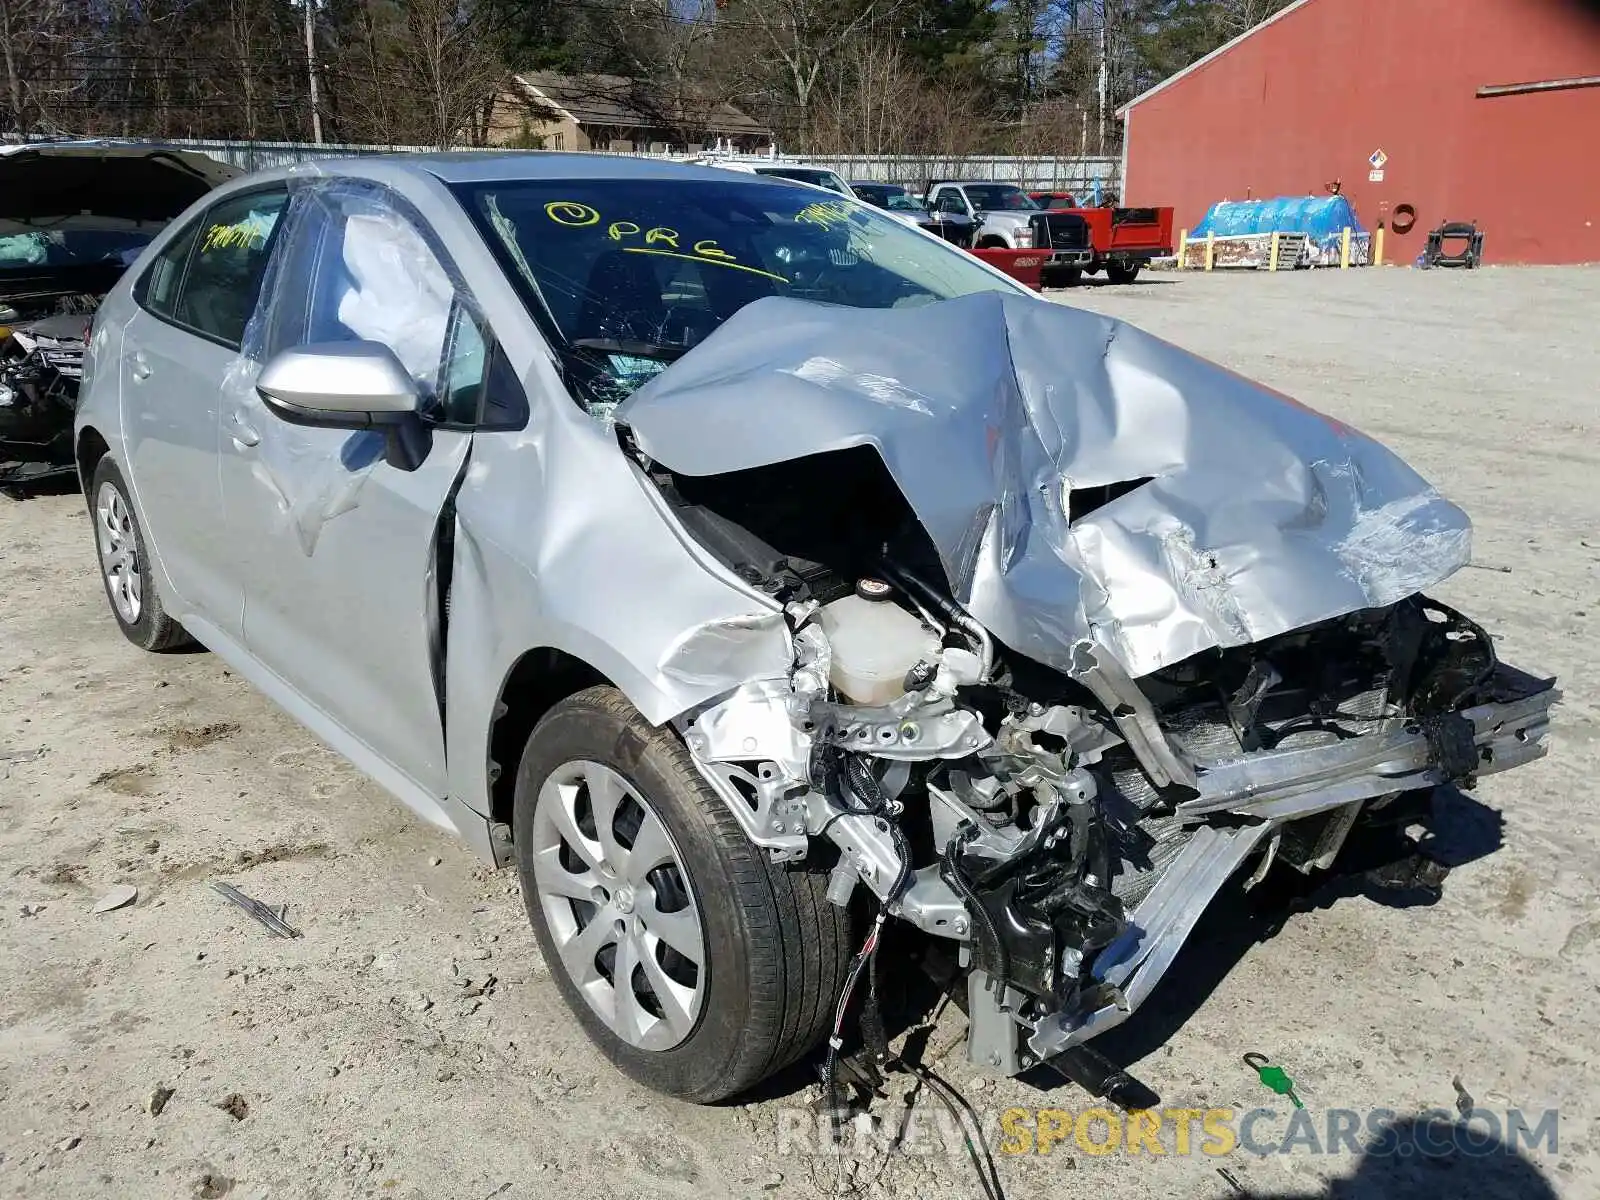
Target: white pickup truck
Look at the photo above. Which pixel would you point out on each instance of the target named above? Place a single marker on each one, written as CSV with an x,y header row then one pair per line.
x,y
1006,218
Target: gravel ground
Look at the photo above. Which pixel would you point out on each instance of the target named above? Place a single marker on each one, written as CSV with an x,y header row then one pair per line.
x,y
410,1044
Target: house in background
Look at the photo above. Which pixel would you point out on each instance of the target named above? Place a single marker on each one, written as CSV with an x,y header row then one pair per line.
x,y
609,112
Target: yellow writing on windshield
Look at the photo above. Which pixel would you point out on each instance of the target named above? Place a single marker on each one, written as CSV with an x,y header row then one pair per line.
x,y
826,213
719,262
575,215
570,212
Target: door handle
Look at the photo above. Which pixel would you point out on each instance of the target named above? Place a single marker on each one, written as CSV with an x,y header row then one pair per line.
x,y
139,366
242,432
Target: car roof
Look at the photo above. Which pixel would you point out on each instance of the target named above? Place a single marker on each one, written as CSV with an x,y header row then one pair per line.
x,y
484,166
489,166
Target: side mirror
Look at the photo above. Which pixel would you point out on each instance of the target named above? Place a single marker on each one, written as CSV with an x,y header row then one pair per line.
x,y
349,385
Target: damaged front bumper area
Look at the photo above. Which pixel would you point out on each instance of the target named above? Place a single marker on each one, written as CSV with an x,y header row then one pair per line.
x,y
41,368
1062,834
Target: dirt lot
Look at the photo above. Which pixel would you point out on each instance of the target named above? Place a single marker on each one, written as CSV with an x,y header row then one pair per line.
x,y
410,1045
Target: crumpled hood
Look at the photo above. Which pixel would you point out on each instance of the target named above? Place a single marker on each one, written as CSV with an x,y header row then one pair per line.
x,y
999,415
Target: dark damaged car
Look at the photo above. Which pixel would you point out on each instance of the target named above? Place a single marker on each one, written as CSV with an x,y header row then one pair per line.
x,y
73,216
751,571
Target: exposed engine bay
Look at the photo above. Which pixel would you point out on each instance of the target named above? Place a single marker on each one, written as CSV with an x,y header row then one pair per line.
x,y
41,369
1058,817
1066,830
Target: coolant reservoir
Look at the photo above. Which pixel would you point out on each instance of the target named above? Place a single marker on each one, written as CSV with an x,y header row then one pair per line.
x,y
875,642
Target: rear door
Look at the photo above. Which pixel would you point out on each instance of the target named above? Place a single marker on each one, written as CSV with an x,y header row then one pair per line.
x,y
176,366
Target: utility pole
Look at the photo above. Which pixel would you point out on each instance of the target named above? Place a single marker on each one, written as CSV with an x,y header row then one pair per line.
x,y
1101,86
311,70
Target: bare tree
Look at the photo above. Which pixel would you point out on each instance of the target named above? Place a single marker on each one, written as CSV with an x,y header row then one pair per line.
x,y
33,36
450,51
804,37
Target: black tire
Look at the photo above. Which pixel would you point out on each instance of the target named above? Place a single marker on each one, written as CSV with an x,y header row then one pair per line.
x,y
776,950
153,629
1122,272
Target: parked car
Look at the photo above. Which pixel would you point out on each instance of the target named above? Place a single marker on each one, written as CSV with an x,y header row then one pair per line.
x,y
1012,232
819,177
816,176
596,508
73,215
901,204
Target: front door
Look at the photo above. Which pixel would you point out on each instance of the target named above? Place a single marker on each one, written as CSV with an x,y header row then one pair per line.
x,y
341,582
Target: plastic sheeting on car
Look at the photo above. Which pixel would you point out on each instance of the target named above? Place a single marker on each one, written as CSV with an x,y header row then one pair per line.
x,y
991,411
352,264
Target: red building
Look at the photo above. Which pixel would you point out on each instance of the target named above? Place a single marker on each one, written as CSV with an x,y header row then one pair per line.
x,y
1465,110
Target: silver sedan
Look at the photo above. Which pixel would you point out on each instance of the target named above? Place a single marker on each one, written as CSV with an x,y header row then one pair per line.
x,y
749,569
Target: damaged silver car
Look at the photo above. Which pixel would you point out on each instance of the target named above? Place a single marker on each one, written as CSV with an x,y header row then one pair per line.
x,y
752,570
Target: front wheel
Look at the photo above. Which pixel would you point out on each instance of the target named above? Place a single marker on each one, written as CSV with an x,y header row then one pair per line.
x,y
696,964
125,564
1123,272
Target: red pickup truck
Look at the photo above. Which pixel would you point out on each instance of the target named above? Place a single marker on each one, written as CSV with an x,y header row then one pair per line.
x,y
1124,239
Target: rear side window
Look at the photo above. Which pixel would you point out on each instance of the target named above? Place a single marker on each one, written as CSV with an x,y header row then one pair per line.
x,y
224,273
158,290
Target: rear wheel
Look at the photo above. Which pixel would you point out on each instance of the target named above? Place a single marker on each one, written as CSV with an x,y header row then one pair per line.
x,y
695,964
125,564
1122,272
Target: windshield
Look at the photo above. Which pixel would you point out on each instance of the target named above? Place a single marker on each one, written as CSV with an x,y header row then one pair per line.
x,y
895,199
628,274
816,176
70,247
993,197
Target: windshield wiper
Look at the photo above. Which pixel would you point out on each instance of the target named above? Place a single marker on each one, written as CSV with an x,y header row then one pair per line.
x,y
631,348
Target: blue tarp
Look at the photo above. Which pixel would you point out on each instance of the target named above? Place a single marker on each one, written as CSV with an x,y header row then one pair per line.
x,y
1323,218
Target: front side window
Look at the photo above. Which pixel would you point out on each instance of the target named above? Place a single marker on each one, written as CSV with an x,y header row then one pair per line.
x,y
228,259
629,274
950,201
356,265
